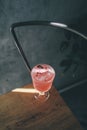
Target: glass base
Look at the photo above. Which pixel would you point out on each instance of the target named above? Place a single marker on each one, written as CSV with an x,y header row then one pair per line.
x,y
42,96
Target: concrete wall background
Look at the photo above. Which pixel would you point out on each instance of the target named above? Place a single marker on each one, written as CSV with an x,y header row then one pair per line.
x,y
12,70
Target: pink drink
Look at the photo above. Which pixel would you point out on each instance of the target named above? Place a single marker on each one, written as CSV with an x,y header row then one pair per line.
x,y
42,77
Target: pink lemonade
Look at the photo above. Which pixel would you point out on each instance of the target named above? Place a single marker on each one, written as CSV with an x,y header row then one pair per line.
x,y
42,77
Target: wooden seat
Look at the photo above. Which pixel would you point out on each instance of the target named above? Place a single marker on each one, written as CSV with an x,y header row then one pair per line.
x,y
20,111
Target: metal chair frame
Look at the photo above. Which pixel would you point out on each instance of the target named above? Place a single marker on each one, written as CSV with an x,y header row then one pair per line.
x,y
39,23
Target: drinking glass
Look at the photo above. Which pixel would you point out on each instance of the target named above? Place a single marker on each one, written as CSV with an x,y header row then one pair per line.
x,y
42,77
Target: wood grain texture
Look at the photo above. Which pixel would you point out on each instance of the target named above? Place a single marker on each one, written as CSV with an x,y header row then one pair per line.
x,y
20,111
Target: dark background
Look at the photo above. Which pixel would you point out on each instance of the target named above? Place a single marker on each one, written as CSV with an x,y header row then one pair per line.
x,y
12,69
46,45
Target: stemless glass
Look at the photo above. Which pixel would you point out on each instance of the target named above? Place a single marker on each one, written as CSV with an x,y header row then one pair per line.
x,y
42,77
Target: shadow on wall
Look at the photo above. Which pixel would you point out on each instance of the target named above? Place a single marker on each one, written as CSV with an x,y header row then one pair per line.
x,y
64,50
62,46
78,54
80,24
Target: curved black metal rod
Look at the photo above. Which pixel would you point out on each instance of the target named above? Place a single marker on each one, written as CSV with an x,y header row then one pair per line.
x,y
33,23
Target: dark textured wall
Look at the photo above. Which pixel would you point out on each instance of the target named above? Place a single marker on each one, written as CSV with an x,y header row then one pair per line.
x,y
12,69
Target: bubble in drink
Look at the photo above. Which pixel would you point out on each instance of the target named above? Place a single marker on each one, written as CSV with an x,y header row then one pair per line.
x,y
42,77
